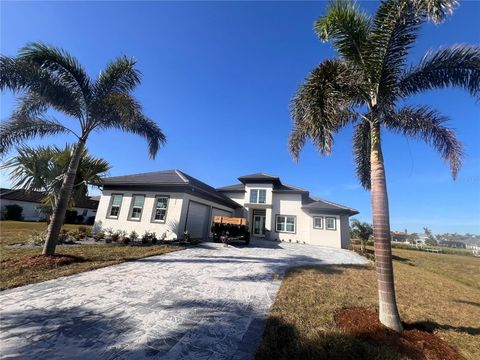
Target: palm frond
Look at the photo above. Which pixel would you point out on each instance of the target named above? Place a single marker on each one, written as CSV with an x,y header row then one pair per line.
x,y
395,29
346,26
123,112
426,124
435,10
61,63
120,76
457,66
361,153
28,168
18,129
41,88
324,104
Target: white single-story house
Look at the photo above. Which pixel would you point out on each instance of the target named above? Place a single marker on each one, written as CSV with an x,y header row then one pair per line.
x,y
31,202
171,202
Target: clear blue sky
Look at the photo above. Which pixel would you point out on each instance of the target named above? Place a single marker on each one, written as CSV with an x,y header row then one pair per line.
x,y
218,77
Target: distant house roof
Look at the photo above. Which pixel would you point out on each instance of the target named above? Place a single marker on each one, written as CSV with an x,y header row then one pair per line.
x,y
169,179
37,196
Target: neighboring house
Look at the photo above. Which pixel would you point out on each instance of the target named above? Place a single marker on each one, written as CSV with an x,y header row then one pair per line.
x,y
30,202
400,236
170,202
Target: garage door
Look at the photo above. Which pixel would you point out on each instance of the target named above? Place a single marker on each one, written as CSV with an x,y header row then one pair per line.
x,y
197,220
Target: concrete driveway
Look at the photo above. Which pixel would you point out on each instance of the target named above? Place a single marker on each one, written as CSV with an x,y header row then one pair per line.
x,y
207,302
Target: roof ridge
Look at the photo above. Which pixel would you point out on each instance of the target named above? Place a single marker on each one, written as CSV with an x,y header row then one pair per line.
x,y
335,204
295,187
143,173
181,174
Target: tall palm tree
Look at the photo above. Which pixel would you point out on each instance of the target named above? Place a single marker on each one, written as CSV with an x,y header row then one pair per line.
x,y
366,85
50,78
43,169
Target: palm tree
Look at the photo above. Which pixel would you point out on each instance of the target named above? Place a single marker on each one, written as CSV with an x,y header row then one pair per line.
x,y
43,168
366,85
50,78
362,231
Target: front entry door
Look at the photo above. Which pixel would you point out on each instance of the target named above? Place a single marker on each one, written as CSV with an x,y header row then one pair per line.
x,y
259,225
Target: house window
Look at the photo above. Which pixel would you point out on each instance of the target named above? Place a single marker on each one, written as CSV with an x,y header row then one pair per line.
x,y
318,222
285,223
258,196
137,207
115,206
160,210
330,223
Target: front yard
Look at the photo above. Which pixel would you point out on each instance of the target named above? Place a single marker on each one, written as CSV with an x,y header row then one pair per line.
x,y
93,256
437,292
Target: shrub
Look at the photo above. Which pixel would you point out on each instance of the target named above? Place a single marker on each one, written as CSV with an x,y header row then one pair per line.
x,y
115,236
13,212
70,216
82,229
37,238
133,236
125,240
99,236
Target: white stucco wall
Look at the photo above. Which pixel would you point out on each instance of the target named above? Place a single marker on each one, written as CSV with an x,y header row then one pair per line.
x,y
291,204
174,211
175,218
324,237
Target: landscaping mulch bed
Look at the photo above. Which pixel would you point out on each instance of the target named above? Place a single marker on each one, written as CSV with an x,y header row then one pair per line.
x,y
44,262
413,341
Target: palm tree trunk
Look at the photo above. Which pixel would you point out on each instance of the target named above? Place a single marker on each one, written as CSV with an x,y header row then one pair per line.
x,y
61,205
388,311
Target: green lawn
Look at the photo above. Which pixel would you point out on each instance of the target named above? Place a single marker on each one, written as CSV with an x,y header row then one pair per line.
x,y
441,291
95,256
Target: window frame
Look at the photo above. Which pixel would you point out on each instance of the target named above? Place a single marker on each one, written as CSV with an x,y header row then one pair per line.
x,y
154,210
257,197
334,223
109,213
321,222
285,223
132,205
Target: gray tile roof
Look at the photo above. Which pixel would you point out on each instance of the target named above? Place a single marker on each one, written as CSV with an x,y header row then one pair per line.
x,y
169,178
232,188
315,204
173,177
260,177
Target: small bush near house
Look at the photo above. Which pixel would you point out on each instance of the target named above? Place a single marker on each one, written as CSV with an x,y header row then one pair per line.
x,y
125,240
70,216
13,212
37,238
133,236
99,236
